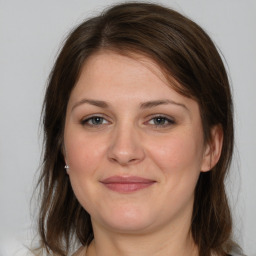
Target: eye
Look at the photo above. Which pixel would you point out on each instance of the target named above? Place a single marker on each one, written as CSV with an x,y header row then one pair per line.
x,y
161,121
94,121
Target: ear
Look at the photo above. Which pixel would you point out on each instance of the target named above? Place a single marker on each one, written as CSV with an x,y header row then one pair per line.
x,y
63,151
213,149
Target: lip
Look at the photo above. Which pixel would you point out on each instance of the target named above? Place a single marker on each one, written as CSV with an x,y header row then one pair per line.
x,y
127,184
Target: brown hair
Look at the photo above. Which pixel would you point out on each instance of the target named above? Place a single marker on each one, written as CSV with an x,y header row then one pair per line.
x,y
186,55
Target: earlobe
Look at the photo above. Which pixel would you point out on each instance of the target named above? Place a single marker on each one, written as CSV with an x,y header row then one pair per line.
x,y
213,149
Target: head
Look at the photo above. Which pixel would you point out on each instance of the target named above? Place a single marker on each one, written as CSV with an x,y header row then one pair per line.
x,y
190,65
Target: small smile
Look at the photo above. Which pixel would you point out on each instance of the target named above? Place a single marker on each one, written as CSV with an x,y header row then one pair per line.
x,y
127,184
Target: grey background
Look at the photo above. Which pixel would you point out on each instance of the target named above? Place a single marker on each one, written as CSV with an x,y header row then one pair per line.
x,y
31,32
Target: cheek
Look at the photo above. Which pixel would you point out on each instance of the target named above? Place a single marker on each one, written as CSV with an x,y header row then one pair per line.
x,y
178,153
83,154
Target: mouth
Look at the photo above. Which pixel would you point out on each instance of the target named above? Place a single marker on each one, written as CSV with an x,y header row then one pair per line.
x,y
128,184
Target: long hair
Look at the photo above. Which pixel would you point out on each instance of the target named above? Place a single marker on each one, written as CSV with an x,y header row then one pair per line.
x,y
186,55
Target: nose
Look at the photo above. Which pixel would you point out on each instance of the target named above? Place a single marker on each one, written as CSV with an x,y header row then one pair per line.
x,y
125,147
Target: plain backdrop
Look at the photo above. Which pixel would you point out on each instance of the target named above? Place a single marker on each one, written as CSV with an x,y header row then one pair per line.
x,y
31,33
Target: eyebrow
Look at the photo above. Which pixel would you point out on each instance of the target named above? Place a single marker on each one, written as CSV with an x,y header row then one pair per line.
x,y
155,103
144,105
97,103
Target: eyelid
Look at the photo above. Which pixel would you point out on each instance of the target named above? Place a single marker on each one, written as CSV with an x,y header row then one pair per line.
x,y
171,120
161,115
84,121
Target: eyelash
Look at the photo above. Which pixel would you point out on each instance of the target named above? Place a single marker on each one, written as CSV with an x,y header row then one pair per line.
x,y
167,121
90,119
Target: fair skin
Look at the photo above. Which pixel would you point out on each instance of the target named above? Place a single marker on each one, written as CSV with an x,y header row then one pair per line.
x,y
135,148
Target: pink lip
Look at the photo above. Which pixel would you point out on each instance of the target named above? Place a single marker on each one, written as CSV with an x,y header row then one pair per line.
x,y
127,184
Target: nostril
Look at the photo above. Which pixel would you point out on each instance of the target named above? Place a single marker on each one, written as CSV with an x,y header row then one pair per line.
x,y
133,160
126,147
126,160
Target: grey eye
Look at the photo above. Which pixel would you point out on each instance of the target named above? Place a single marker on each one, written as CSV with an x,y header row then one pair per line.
x,y
97,120
160,120
94,121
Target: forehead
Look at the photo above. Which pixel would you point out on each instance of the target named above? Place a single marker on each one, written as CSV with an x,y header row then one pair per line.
x,y
130,77
109,67
127,59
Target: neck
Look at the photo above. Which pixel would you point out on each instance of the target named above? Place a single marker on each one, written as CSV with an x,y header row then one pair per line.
x,y
166,241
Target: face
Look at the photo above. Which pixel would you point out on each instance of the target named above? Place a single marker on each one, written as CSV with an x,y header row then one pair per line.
x,y
134,146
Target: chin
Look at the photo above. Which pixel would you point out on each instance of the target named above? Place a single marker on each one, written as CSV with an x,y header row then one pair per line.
x,y
127,220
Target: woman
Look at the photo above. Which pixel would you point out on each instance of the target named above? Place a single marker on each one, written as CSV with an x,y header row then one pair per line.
x,y
138,110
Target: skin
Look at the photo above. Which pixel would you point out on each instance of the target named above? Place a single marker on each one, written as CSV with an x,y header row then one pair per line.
x,y
146,129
